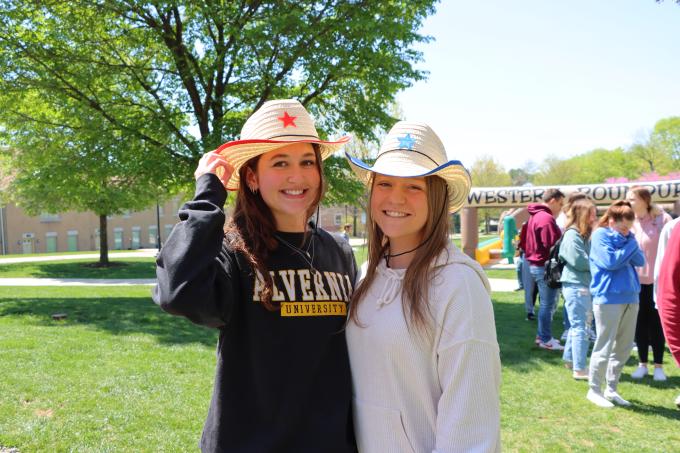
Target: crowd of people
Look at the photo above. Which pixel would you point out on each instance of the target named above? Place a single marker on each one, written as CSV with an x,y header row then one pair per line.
x,y
400,355
610,271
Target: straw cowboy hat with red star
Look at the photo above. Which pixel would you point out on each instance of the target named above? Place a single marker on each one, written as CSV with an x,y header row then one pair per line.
x,y
276,124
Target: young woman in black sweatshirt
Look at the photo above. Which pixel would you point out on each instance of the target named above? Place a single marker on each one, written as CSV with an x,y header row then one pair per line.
x,y
276,287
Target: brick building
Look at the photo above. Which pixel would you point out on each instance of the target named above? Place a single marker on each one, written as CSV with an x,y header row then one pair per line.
x,y
74,231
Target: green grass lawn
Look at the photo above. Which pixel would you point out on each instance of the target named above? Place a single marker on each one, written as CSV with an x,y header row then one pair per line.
x,y
81,252
501,273
119,375
77,268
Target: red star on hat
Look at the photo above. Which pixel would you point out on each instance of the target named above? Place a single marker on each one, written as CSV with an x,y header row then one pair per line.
x,y
287,120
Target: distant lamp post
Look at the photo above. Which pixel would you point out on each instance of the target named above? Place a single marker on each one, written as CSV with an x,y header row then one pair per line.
x,y
158,226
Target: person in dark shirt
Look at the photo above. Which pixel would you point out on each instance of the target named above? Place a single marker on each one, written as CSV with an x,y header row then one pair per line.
x,y
542,233
276,288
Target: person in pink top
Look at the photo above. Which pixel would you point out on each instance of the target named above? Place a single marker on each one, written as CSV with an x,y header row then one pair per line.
x,y
649,221
668,295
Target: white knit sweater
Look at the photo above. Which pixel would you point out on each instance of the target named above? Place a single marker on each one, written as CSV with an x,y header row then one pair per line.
x,y
418,394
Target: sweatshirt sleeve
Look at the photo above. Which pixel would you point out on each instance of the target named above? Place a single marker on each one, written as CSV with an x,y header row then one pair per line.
x,y
573,251
193,269
468,366
668,296
549,233
605,255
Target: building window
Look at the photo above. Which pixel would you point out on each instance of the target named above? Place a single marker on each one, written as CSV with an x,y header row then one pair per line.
x,y
118,238
136,238
338,219
51,242
161,211
97,239
72,241
153,235
46,217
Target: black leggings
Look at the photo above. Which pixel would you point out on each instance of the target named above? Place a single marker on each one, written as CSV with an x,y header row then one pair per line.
x,y
648,329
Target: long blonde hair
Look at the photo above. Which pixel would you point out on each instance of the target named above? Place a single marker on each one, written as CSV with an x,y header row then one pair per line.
x,y
418,275
578,216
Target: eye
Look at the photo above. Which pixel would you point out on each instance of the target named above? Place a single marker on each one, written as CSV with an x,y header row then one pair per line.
x,y
383,184
280,163
415,188
308,163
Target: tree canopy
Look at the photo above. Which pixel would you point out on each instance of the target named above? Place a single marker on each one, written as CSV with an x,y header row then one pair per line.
x,y
181,77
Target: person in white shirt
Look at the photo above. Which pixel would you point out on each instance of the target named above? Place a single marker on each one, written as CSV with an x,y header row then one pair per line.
x,y
421,333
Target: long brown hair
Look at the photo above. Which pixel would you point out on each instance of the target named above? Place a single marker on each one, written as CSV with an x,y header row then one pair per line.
x,y
578,216
252,226
418,274
643,194
618,211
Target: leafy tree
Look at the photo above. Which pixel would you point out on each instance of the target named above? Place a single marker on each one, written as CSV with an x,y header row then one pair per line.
x,y
56,168
183,76
488,172
162,82
666,137
519,176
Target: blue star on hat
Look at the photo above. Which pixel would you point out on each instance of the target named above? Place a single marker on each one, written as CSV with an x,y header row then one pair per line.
x,y
406,142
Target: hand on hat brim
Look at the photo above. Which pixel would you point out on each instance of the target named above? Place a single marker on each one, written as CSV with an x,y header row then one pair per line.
x,y
213,162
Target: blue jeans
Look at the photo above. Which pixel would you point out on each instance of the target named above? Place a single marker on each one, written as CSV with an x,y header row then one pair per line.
x,y
518,267
528,284
579,306
548,299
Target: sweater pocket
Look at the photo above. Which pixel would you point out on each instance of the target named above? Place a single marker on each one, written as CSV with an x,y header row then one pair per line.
x,y
380,429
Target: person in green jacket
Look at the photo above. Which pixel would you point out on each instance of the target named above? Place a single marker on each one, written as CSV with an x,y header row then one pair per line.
x,y
574,251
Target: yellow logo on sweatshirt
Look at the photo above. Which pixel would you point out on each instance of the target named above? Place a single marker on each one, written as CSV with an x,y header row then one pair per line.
x,y
313,308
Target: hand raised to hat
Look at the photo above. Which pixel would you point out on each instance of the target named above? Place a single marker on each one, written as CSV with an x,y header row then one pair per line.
x,y
211,162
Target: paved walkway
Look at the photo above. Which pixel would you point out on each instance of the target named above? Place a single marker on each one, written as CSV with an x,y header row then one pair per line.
x,y
497,284
141,253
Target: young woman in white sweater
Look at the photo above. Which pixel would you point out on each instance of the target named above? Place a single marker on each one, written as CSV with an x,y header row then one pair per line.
x,y
421,334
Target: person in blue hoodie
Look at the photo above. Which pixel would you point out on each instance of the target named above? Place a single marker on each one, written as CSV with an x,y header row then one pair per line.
x,y
615,288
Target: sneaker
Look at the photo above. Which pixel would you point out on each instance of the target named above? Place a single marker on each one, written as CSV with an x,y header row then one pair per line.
x,y
659,374
677,401
580,375
552,345
640,372
598,399
519,288
531,317
564,336
615,398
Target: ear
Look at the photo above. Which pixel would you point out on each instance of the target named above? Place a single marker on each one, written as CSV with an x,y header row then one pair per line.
x,y
251,180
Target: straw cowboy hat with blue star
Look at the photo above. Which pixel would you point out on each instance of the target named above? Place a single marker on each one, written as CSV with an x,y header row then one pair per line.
x,y
276,124
412,150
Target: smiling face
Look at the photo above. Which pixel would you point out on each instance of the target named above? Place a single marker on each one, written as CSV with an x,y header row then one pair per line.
x,y
399,207
289,181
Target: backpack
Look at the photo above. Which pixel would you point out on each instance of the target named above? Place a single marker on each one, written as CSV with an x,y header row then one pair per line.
x,y
553,267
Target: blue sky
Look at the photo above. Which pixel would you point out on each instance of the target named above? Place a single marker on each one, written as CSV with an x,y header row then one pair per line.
x,y
521,80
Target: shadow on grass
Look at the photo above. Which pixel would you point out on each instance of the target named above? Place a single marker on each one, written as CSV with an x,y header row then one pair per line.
x,y
135,268
116,315
649,409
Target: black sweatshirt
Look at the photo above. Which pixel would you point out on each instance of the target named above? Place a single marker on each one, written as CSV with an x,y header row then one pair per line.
x,y
283,381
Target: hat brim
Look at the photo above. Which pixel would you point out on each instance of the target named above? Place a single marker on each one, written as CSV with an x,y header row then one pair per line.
x,y
453,172
238,152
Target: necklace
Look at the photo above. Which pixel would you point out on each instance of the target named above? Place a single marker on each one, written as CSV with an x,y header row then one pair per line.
x,y
309,259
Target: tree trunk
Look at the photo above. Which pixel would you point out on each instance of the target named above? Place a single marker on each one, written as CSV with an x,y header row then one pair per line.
x,y
103,242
